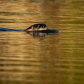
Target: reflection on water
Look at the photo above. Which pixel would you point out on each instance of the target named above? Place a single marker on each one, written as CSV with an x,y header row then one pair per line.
x,y
57,59
42,33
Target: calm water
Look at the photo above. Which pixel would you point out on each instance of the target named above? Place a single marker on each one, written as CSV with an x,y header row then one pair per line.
x,y
52,59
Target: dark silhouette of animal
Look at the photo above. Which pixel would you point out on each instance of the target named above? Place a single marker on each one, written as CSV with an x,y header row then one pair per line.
x,y
37,27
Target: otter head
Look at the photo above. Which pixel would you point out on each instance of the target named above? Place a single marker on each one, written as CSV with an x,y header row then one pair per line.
x,y
37,27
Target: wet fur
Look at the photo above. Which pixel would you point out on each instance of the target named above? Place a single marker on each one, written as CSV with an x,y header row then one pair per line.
x,y
35,27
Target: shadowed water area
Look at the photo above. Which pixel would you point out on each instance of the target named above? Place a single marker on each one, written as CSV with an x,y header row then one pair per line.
x,y
30,58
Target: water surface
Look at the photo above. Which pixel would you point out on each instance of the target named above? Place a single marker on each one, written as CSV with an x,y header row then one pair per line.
x,y
50,59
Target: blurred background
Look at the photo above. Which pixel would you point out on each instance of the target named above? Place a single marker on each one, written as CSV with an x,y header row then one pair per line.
x,y
53,59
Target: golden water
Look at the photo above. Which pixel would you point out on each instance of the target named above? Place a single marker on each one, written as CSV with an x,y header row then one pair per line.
x,y
53,59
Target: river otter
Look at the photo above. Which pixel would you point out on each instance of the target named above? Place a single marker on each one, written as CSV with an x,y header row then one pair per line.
x,y
37,27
